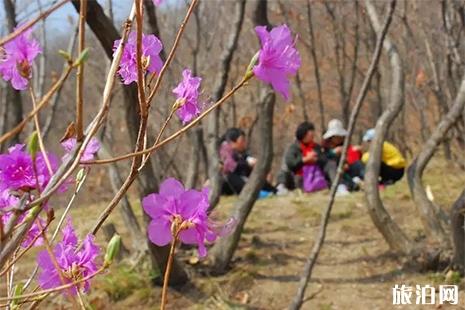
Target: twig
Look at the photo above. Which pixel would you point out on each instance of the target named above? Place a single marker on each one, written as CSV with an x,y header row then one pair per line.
x,y
39,132
80,72
171,54
31,23
166,278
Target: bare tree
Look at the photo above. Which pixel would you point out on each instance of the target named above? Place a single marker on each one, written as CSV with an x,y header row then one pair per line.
x,y
316,68
340,50
391,232
224,249
218,90
431,214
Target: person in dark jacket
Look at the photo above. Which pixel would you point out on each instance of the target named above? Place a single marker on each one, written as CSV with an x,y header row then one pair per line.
x,y
303,151
237,164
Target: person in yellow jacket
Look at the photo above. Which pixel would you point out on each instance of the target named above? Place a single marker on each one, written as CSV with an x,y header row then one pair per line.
x,y
392,162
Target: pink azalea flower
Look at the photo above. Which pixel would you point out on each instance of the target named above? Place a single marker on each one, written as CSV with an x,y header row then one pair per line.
x,y
157,2
187,208
16,170
278,58
188,92
89,153
151,48
16,59
74,263
9,200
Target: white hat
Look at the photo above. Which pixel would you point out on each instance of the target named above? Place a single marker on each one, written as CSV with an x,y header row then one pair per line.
x,y
369,135
335,128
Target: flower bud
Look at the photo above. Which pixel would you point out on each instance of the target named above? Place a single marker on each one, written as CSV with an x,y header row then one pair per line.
x,y
249,73
80,175
179,103
112,249
82,57
33,144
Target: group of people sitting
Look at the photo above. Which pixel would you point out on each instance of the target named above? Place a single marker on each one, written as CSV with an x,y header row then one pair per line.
x,y
308,165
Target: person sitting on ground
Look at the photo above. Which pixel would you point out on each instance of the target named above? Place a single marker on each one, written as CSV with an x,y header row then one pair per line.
x,y
392,161
353,168
302,154
236,162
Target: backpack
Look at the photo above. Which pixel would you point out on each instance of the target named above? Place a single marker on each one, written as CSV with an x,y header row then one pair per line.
x,y
313,178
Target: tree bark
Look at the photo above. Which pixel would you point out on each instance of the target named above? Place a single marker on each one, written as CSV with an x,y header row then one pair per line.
x,y
431,214
224,249
391,232
14,102
457,217
106,33
218,90
316,68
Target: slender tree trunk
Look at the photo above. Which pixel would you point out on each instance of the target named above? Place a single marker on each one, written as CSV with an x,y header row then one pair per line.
x,y
13,96
431,214
218,90
106,33
391,232
458,232
316,69
224,249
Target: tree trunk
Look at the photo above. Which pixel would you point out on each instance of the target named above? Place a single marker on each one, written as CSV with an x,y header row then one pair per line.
x,y
391,232
432,215
106,33
224,249
218,90
13,97
316,69
457,216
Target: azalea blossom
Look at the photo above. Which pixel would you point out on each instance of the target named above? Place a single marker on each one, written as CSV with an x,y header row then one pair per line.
x,y
17,171
9,200
278,58
16,59
75,264
187,94
157,2
151,48
89,153
177,208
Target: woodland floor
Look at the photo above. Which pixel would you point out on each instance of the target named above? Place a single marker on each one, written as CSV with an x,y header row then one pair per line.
x,y
355,269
